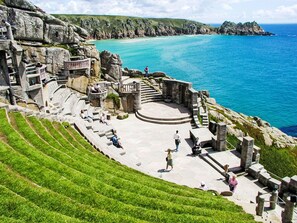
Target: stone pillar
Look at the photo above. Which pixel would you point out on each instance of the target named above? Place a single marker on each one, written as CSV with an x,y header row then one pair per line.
x,y
287,214
260,206
256,154
137,97
293,184
212,127
273,199
221,136
247,152
284,186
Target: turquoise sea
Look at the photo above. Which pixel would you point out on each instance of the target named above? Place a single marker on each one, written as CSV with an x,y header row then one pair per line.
x,y
255,75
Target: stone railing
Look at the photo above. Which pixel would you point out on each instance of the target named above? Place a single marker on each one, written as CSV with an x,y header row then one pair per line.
x,y
77,65
42,72
128,88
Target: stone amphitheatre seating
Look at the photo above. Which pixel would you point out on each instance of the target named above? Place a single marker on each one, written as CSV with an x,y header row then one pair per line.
x,y
49,173
68,105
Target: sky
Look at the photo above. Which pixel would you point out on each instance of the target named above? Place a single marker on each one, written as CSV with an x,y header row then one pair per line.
x,y
207,11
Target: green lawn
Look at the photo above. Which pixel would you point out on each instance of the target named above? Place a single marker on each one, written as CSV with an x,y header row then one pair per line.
x,y
49,173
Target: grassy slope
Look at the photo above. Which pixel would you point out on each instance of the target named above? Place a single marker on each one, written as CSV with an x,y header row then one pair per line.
x,y
55,175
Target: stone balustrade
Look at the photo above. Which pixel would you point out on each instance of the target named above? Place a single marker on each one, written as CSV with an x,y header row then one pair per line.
x,y
128,88
78,65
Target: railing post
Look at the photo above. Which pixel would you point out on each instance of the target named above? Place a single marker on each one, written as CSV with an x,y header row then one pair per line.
x,y
287,214
260,206
273,199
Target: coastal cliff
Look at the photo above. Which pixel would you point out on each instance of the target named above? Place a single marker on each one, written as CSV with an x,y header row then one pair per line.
x,y
117,27
107,27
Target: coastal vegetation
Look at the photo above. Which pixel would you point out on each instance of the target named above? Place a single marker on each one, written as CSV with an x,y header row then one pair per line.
x,y
50,173
279,160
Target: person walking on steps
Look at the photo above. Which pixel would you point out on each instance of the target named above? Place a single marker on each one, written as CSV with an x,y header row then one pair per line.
x,y
169,161
233,183
176,138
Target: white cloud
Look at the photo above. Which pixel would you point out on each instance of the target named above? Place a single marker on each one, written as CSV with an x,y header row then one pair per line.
x,y
279,14
200,10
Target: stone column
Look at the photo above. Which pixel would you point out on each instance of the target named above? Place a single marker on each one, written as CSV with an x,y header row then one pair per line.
x,y
221,136
260,206
137,97
284,187
287,214
273,199
247,152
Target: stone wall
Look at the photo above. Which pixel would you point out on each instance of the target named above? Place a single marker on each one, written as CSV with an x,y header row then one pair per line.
x,y
177,91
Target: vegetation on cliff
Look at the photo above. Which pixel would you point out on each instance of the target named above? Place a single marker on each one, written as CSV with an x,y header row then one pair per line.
x,y
106,27
278,151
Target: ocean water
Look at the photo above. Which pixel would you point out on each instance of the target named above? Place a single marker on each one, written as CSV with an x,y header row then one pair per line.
x,y
255,75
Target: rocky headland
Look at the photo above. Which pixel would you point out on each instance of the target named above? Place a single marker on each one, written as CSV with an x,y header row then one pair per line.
x,y
117,27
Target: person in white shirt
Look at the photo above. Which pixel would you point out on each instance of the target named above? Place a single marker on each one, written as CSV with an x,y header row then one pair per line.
x,y
176,138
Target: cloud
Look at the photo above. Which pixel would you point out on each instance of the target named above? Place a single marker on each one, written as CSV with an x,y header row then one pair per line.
x,y
281,13
200,10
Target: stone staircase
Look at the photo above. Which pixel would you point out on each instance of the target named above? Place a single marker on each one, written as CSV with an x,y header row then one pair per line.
x,y
149,94
164,121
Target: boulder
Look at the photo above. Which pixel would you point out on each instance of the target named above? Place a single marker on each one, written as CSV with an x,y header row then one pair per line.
x,y
112,65
32,24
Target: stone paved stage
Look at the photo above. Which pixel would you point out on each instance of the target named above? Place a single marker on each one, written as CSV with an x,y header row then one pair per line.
x,y
147,143
162,110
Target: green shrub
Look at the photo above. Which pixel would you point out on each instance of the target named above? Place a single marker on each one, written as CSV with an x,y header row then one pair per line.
x,y
115,98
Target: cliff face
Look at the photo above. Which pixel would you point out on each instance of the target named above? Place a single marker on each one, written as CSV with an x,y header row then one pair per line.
x,y
248,28
30,23
107,27
117,27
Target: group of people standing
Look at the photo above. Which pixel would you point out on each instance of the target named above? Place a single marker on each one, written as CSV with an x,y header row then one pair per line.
x,y
196,149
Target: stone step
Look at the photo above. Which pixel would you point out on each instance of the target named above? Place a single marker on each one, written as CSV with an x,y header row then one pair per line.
x,y
151,100
206,158
165,119
164,122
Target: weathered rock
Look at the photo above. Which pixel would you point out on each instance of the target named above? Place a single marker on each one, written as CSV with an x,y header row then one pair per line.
x,y
112,65
32,24
79,83
248,28
21,4
53,57
158,74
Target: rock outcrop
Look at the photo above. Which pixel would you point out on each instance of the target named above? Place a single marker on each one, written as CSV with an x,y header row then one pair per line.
x,y
30,23
248,28
111,66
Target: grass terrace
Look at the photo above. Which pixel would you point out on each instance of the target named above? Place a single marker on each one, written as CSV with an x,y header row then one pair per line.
x,y
49,173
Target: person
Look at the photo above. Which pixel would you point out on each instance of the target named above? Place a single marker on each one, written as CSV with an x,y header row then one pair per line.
x,y
97,88
116,141
146,71
203,186
93,90
103,119
233,184
169,161
196,149
176,138
226,170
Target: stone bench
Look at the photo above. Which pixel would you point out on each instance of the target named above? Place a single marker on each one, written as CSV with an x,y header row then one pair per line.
x,y
264,178
273,184
255,170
